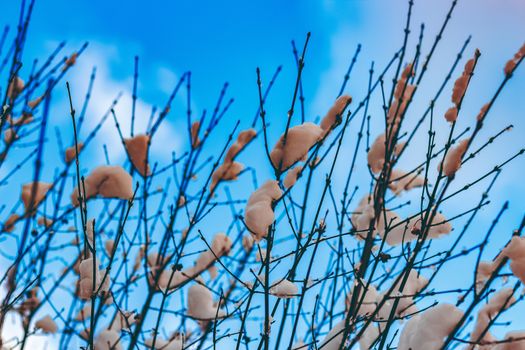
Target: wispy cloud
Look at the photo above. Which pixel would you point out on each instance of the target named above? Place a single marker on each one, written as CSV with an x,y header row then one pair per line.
x,y
106,87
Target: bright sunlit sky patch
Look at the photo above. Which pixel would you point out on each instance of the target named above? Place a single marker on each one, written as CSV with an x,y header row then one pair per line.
x,y
224,41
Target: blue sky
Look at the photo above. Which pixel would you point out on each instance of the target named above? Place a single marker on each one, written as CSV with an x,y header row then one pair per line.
x,y
221,41
225,41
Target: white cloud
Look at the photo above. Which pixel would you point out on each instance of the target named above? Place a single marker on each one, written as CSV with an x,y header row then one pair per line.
x,y
12,333
105,89
166,79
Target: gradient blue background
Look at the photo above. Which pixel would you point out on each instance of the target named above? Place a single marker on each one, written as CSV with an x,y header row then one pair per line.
x,y
223,41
